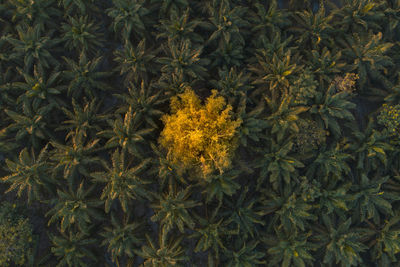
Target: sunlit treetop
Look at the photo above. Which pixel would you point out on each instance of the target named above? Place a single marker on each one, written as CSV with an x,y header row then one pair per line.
x,y
200,137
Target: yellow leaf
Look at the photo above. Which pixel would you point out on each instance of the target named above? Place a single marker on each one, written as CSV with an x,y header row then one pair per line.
x,y
368,7
286,73
379,150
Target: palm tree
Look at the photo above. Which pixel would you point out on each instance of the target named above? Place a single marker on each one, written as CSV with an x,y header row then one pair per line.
x,y
312,28
179,27
384,241
290,211
82,34
144,101
5,48
38,12
268,21
289,249
276,73
85,76
283,116
358,16
183,60
174,84
72,249
244,253
219,185
32,48
126,133
369,199
266,46
210,235
278,164
122,239
122,181
40,89
136,62
130,16
369,146
367,55
228,54
75,158
233,85
331,162
325,64
73,208
339,242
164,170
30,173
169,252
226,22
330,107
83,120
172,209
333,198
31,127
243,214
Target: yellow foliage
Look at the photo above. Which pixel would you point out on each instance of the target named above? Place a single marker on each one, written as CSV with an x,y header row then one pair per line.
x,y
199,136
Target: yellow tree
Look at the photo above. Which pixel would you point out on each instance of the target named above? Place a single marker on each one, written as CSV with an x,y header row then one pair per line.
x,y
200,137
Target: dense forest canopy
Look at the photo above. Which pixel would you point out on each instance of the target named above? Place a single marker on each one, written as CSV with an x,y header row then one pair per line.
x,y
199,133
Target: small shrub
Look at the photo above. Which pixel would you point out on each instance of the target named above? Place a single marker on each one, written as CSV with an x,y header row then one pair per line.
x,y
200,136
390,118
346,83
15,236
309,137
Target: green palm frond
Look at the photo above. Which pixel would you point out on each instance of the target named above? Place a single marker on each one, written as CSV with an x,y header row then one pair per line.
x,y
168,252
332,107
82,34
122,238
83,119
183,60
180,26
126,133
289,249
72,249
278,164
122,181
340,242
40,89
73,208
29,174
144,101
244,253
130,17
30,126
38,12
85,77
33,48
135,62
244,214
172,209
369,198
